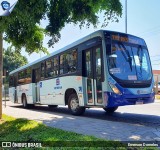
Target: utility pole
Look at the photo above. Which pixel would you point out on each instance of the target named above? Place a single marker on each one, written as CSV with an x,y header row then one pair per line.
x,y
126,16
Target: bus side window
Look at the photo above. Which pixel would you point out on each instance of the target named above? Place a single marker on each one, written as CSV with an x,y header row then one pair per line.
x,y
28,76
55,66
42,70
72,61
49,72
24,76
61,64
74,53
66,61
21,77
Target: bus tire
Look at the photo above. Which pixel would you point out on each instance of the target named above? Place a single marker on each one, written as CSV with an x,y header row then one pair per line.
x,y
73,105
111,109
52,106
24,101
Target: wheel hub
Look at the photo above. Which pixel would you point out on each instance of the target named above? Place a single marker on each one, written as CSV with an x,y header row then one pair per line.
x,y
74,104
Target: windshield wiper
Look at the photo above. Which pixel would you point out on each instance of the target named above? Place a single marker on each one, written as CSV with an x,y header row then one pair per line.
x,y
140,57
128,58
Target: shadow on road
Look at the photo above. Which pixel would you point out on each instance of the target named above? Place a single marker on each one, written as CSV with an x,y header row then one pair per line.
x,y
138,119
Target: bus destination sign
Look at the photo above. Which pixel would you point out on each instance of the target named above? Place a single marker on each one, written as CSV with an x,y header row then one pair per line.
x,y
128,39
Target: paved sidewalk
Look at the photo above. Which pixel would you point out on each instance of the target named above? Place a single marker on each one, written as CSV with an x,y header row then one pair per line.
x,y
157,100
89,126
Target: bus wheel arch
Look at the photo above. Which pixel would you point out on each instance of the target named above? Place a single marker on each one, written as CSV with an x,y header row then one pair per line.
x,y
68,93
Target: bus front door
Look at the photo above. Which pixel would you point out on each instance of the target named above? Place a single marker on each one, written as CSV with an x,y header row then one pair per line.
x,y
93,71
37,85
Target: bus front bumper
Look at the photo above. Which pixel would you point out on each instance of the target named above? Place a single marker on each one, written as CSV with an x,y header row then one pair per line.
x,y
113,100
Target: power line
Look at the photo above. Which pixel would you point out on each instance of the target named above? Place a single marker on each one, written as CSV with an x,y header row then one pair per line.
x,y
156,60
149,30
155,56
155,64
156,34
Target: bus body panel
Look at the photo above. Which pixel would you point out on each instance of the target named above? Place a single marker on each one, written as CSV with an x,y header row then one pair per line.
x,y
34,92
53,91
12,94
27,90
46,92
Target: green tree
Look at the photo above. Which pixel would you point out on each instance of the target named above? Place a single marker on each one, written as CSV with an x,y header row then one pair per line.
x,y
13,60
21,27
82,12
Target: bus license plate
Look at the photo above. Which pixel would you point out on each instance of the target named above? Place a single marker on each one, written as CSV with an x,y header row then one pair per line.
x,y
139,102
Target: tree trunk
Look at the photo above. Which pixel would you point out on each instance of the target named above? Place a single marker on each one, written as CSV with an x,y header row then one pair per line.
x,y
1,71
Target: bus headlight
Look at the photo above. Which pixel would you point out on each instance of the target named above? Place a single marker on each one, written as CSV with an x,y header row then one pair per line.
x,y
115,89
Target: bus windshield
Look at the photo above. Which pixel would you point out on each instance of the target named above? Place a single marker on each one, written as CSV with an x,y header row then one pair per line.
x,y
128,62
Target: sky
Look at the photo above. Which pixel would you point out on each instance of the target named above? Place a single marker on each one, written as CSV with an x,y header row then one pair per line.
x,y
142,20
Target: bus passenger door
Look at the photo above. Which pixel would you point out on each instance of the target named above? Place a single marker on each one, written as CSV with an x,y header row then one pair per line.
x,y
93,76
36,74
12,89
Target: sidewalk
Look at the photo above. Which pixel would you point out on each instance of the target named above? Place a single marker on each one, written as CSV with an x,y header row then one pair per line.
x,y
157,100
88,126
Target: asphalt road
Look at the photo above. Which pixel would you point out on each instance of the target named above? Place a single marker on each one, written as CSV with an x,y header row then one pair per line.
x,y
140,122
148,115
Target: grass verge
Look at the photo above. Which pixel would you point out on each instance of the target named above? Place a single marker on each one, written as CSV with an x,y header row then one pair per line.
x,y
157,97
22,130
29,132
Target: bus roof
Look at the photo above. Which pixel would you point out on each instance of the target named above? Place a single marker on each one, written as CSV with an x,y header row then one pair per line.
x,y
88,37
92,35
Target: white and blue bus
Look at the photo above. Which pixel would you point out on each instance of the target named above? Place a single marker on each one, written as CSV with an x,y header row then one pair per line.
x,y
105,69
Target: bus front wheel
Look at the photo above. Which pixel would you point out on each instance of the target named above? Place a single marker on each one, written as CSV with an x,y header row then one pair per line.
x,y
111,109
73,105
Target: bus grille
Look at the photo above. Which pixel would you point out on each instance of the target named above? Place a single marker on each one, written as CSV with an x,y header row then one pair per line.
x,y
136,99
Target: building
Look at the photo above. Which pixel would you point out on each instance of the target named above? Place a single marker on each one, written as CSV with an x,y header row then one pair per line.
x,y
156,74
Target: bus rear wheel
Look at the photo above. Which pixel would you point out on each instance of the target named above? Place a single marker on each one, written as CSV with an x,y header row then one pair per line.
x,y
111,109
24,101
73,105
